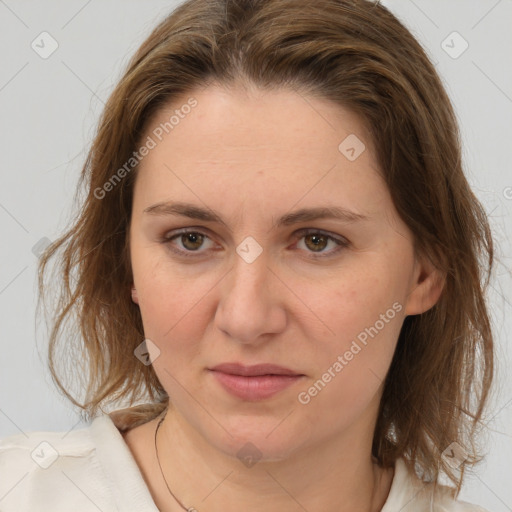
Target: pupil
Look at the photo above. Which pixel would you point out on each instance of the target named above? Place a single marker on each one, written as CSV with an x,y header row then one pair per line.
x,y
317,241
193,238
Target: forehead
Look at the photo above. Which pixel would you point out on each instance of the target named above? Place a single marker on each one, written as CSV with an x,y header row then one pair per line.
x,y
274,145
244,120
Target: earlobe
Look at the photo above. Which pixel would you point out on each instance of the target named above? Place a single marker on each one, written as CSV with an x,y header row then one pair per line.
x,y
135,297
426,288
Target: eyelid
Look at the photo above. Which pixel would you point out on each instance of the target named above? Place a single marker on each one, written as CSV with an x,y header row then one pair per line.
x,y
341,241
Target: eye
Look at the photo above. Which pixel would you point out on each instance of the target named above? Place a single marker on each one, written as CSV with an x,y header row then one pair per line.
x,y
316,241
188,243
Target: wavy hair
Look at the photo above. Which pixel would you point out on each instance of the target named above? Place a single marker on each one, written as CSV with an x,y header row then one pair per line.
x,y
356,54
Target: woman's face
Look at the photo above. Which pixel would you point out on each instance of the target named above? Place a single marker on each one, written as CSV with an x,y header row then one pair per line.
x,y
255,282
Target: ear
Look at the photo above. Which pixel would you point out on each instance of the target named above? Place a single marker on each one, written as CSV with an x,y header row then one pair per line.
x,y
135,297
426,287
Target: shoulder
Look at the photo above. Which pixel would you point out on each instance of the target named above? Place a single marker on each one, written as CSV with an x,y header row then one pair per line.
x,y
409,494
41,470
81,470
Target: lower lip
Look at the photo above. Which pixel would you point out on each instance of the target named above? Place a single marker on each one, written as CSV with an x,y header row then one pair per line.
x,y
255,388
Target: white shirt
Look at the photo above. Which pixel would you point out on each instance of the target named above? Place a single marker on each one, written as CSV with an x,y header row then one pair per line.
x,y
92,469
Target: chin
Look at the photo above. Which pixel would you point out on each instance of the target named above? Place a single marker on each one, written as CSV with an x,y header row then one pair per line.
x,y
267,439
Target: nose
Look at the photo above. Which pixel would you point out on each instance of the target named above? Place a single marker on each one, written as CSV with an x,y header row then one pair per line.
x,y
251,306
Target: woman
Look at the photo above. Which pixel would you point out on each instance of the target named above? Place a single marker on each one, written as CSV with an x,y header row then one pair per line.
x,y
279,259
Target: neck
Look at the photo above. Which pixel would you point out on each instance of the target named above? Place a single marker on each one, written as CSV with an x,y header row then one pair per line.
x,y
337,476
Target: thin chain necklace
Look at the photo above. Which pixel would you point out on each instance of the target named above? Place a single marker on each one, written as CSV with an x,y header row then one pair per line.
x,y
190,509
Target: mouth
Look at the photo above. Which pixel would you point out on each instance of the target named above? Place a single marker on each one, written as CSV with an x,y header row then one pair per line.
x,y
256,370
253,383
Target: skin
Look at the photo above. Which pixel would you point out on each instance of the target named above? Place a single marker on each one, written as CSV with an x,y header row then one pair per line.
x,y
252,156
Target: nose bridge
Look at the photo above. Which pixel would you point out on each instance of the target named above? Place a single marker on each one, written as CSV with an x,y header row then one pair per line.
x,y
250,279
251,268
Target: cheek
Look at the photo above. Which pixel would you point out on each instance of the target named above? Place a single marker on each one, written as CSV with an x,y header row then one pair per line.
x,y
364,315
349,368
175,310
361,304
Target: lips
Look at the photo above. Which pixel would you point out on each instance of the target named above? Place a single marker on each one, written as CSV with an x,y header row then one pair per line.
x,y
252,371
253,383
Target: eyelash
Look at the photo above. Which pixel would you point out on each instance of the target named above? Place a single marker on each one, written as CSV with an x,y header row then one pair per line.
x,y
342,243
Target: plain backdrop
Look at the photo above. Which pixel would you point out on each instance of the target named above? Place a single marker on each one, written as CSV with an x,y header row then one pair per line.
x,y
49,109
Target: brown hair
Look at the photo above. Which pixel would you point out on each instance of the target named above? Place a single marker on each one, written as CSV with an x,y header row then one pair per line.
x,y
356,54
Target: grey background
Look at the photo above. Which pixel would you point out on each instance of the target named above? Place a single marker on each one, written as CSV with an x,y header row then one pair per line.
x,y
49,108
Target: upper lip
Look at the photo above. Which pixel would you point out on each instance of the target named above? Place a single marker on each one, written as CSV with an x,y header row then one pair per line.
x,y
254,370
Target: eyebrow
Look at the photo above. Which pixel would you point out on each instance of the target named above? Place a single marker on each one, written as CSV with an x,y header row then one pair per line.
x,y
303,215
